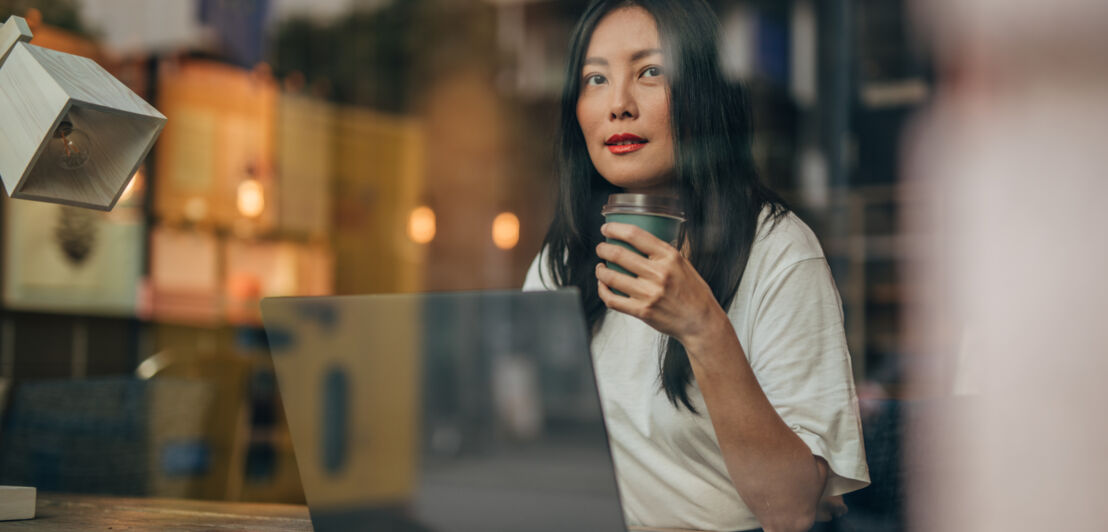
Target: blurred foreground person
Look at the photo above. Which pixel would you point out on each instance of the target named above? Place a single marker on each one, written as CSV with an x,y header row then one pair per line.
x,y
1012,160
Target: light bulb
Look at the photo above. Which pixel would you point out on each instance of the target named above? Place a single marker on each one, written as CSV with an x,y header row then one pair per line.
x,y
421,225
251,198
505,230
70,147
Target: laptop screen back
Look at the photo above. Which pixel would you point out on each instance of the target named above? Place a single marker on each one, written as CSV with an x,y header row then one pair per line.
x,y
449,412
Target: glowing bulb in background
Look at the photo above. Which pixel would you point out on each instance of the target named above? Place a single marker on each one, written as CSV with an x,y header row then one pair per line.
x,y
70,148
251,198
421,225
505,230
196,208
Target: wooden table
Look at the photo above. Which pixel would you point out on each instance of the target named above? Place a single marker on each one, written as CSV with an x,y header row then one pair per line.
x,y
58,512
94,513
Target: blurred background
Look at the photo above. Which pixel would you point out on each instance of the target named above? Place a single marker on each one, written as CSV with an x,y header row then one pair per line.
x,y
373,146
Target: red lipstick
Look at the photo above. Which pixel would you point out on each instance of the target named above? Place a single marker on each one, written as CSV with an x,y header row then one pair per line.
x,y
622,143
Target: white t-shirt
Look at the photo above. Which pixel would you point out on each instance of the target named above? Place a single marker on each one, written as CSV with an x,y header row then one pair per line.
x,y
788,317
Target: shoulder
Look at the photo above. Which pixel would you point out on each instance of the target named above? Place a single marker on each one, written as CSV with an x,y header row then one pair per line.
x,y
781,241
785,251
539,276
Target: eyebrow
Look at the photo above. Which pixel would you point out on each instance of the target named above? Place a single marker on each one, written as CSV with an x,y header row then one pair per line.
x,y
634,57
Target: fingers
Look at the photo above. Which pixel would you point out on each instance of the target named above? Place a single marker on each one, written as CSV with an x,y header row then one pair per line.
x,y
618,281
613,300
641,239
629,260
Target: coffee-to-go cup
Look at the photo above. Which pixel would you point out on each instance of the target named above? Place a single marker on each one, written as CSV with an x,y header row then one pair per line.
x,y
661,216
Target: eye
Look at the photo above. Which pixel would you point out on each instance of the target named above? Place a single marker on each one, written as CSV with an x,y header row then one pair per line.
x,y
594,79
651,72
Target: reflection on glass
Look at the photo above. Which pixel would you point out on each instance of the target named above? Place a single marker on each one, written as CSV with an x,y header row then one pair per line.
x,y
463,411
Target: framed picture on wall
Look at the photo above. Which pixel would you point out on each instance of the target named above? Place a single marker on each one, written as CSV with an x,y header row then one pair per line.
x,y
219,134
59,258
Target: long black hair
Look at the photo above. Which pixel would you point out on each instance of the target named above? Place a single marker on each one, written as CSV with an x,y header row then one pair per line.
x,y
715,175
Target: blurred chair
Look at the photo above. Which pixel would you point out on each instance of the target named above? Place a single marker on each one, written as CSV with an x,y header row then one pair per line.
x,y
114,435
226,427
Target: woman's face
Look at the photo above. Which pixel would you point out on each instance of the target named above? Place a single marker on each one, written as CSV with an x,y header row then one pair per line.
x,y
623,106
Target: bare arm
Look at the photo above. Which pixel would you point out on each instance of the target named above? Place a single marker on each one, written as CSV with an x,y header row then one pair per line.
x,y
772,469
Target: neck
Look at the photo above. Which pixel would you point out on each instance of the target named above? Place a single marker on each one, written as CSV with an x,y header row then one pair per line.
x,y
657,190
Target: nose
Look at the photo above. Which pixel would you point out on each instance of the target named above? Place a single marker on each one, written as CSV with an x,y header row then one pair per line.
x,y
622,102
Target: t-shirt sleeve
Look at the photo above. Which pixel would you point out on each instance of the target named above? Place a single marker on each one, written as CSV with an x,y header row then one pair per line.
x,y
538,276
798,352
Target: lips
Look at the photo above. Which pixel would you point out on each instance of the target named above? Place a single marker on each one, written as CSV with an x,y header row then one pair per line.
x,y
622,143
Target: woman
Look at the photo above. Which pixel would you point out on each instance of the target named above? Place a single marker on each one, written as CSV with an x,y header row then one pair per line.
x,y
752,416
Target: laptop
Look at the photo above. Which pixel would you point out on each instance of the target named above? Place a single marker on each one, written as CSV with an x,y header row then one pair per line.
x,y
451,412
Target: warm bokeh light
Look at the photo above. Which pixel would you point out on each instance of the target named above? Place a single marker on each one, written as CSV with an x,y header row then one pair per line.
x,y
421,225
251,198
196,208
505,230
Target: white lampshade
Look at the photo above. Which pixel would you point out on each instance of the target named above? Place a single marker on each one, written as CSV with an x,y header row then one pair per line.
x,y
39,90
